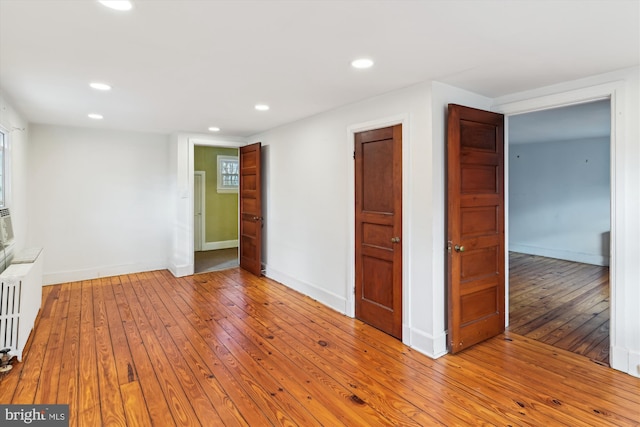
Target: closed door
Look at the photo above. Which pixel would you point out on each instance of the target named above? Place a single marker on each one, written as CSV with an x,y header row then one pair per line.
x,y
251,209
378,228
475,226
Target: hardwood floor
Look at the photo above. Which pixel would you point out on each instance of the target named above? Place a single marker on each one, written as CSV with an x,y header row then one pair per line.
x,y
562,303
227,348
215,260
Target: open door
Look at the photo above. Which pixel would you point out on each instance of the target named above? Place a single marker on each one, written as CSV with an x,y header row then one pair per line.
x,y
250,209
475,226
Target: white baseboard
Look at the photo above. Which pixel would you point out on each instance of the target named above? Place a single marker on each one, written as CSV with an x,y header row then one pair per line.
x,y
97,272
181,270
327,298
427,344
223,244
624,360
560,254
634,364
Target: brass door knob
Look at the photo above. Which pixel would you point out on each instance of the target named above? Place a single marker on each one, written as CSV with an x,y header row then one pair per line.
x,y
459,248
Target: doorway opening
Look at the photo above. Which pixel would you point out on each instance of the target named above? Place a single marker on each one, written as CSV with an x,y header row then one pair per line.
x,y
216,214
560,227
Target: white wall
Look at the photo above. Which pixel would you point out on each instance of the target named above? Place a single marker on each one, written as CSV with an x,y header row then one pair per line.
x,y
309,188
308,247
309,191
309,217
624,89
559,199
17,158
99,201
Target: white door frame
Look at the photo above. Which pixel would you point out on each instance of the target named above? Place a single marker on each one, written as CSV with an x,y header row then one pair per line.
x,y
191,143
201,196
615,93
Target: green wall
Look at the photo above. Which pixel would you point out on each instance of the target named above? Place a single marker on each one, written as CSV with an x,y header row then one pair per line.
x,y
221,209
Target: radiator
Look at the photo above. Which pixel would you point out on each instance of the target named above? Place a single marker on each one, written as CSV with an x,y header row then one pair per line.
x,y
20,300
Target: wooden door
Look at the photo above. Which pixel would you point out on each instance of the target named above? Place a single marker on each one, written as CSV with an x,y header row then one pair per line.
x,y
475,226
250,209
378,217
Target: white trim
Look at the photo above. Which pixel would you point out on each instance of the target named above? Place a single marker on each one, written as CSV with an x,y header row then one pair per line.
x,y
5,182
180,270
561,254
615,92
216,143
329,299
203,201
401,119
222,244
505,206
104,271
221,188
425,343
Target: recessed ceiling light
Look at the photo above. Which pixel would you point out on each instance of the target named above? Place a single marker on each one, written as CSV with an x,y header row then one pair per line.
x,y
117,4
95,116
261,107
362,63
214,129
100,86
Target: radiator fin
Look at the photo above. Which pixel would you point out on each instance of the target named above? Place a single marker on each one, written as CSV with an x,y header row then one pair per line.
x,y
10,293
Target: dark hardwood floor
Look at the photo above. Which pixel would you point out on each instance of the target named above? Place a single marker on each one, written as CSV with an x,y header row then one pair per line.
x,y
228,348
561,303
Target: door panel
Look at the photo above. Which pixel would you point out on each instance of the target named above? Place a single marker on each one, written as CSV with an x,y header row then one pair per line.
x,y
475,226
250,209
378,170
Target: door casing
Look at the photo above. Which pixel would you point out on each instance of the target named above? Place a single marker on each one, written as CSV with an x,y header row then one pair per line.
x,y
199,195
614,92
186,233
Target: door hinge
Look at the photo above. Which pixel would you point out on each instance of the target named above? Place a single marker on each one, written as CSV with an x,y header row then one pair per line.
x,y
354,154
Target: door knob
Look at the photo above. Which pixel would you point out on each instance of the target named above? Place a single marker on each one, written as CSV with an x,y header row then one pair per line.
x,y
395,240
459,248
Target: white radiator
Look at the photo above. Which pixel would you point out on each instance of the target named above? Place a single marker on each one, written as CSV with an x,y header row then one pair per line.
x,y
20,300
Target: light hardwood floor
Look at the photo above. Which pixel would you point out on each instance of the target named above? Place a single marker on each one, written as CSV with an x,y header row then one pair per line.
x,y
227,348
562,303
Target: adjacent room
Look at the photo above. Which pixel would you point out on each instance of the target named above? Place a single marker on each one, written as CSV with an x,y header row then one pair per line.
x,y
215,196
560,227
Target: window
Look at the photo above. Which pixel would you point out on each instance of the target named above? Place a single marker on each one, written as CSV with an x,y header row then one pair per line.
x,y
228,177
3,139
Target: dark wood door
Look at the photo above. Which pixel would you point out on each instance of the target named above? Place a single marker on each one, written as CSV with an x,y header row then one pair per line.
x,y
250,209
378,217
475,226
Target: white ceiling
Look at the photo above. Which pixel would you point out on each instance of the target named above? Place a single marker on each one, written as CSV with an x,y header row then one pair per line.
x,y
184,65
